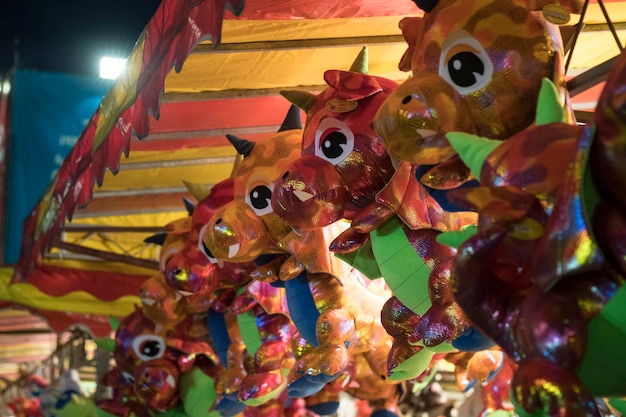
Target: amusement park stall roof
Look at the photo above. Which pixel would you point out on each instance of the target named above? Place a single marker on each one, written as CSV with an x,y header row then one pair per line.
x,y
92,266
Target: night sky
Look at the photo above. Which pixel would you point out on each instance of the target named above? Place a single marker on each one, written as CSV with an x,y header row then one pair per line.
x,y
69,36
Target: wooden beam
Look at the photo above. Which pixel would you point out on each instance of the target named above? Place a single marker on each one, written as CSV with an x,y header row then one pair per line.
x,y
208,48
195,134
591,77
583,116
234,93
81,228
107,256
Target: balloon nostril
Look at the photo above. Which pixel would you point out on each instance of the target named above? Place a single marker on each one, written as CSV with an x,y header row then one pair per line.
x,y
218,221
285,175
406,99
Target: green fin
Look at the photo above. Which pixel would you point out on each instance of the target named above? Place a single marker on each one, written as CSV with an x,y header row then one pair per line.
x,y
472,149
455,239
363,260
249,331
114,322
105,343
549,107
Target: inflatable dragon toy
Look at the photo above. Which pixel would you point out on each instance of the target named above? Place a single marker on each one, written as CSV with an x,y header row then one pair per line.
x,y
468,62
153,358
335,314
343,164
189,269
543,275
342,168
259,316
489,371
245,320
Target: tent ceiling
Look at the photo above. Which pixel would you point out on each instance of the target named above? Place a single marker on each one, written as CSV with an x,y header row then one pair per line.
x,y
233,88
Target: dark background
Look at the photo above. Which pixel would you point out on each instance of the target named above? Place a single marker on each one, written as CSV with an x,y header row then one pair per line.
x,y
69,36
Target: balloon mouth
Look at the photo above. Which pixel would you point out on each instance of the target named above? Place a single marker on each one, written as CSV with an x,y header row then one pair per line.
x,y
233,250
303,195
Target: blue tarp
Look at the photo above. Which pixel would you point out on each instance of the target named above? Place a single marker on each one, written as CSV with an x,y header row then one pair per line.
x,y
48,113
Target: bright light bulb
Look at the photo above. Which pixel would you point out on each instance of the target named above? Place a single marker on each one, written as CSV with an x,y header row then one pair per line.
x,y
110,67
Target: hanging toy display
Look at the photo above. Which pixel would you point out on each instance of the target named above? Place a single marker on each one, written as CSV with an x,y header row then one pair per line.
x,y
154,358
343,164
550,286
257,323
334,313
160,303
189,269
463,78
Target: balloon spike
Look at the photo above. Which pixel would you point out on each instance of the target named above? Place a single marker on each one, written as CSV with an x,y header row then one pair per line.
x,y
114,322
190,206
198,191
426,5
292,119
243,146
549,107
302,99
360,64
472,149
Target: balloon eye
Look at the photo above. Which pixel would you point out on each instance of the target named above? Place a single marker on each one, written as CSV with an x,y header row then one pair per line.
x,y
203,248
464,63
334,141
260,199
166,256
333,144
149,347
465,68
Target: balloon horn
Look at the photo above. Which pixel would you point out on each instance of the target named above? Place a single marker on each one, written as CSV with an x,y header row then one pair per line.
x,y
426,5
292,119
243,146
302,99
189,205
360,64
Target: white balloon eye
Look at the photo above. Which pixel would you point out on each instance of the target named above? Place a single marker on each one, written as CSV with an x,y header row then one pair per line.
x,y
464,63
334,141
202,247
149,347
166,256
259,197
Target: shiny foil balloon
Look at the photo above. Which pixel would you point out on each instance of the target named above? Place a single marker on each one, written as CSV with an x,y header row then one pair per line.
x,y
563,277
123,399
156,384
476,68
160,303
241,230
191,270
343,163
333,310
152,357
257,321
342,168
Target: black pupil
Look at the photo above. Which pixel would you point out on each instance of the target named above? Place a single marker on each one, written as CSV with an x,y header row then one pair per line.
x,y
463,68
150,348
260,197
332,144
